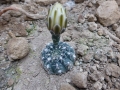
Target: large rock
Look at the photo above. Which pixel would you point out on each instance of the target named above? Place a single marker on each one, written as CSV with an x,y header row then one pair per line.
x,y
80,79
108,13
66,86
113,70
17,48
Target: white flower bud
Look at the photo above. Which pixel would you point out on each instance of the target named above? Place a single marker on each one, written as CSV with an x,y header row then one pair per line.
x,y
57,20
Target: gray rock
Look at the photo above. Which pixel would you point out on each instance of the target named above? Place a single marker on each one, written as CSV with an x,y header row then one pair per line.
x,y
108,13
21,31
80,79
17,48
82,49
113,70
92,69
10,82
96,75
100,57
91,18
115,26
66,36
92,26
88,57
66,86
97,86
100,32
81,19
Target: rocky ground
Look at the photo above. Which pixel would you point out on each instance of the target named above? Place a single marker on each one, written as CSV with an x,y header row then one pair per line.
x,y
93,31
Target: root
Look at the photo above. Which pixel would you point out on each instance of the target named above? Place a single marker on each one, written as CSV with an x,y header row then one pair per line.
x,y
17,8
112,36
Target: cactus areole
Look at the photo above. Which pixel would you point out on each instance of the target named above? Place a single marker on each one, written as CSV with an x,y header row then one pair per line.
x,y
57,57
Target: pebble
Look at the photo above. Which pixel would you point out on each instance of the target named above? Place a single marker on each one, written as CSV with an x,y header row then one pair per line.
x,y
92,26
115,26
66,86
97,86
17,48
100,32
81,19
10,82
77,63
82,49
80,79
91,18
113,70
88,57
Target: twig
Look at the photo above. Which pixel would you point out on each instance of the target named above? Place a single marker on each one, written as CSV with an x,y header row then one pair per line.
x,y
17,8
112,36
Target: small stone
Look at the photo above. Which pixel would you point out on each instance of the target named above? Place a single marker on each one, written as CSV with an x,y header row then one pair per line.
x,y
80,79
90,4
118,32
115,26
17,48
66,86
10,82
77,63
108,13
66,36
100,32
88,57
68,80
92,26
108,79
96,75
81,19
6,17
82,49
10,88
97,86
15,13
113,70
91,18
92,69
21,31
100,57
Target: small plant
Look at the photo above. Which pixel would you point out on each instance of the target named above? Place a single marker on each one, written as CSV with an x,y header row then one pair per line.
x,y
33,27
58,57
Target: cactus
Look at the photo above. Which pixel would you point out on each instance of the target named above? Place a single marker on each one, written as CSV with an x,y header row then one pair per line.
x,y
58,57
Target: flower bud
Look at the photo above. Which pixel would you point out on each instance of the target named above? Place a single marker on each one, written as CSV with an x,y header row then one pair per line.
x,y
57,20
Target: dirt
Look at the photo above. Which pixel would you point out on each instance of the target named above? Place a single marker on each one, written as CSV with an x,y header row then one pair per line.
x,y
94,51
